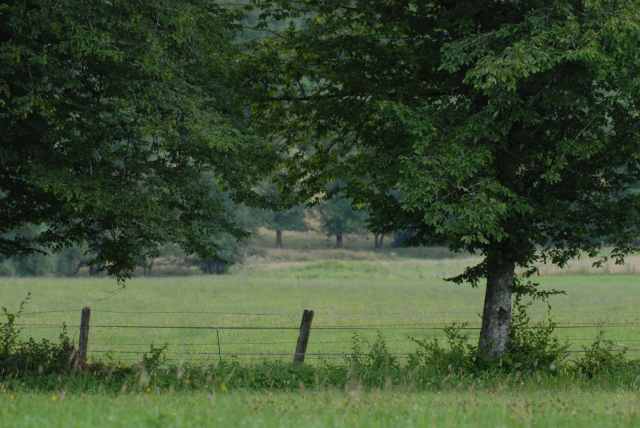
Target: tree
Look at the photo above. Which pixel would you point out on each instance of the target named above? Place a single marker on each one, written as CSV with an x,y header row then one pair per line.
x,y
291,219
280,214
338,217
510,128
223,246
110,112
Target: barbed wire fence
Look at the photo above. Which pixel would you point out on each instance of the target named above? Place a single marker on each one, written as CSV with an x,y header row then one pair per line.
x,y
218,341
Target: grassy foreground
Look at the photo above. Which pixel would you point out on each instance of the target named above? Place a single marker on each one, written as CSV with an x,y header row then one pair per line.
x,y
492,408
397,295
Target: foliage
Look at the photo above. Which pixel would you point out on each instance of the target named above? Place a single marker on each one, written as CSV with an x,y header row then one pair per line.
x,y
110,113
338,217
290,219
601,357
375,367
533,347
340,286
412,237
154,358
458,357
70,260
280,212
509,129
22,357
6,268
32,265
224,237
431,366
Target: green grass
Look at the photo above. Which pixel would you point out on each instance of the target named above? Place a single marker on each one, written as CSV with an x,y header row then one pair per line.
x,y
523,407
396,296
356,287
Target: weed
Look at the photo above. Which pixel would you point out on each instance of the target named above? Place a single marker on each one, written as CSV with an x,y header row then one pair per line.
x,y
375,367
601,357
19,357
533,347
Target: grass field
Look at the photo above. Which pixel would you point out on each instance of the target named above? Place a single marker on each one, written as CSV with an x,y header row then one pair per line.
x,y
398,297
490,409
396,294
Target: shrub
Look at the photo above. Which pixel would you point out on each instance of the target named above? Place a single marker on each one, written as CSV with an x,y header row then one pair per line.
x,y
458,357
19,357
601,357
533,347
33,265
375,367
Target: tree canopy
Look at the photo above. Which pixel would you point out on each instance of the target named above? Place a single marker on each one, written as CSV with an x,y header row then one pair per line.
x,y
508,128
338,217
279,213
111,114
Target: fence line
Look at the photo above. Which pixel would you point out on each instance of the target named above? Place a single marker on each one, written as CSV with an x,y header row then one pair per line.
x,y
330,327
292,314
214,348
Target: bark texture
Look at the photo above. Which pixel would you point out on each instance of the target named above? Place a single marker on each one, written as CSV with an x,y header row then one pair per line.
x,y
496,317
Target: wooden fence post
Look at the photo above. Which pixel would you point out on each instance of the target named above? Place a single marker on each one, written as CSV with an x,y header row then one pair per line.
x,y
303,337
219,347
83,342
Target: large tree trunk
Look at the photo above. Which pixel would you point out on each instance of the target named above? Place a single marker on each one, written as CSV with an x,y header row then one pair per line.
x,y
496,317
379,241
279,238
339,241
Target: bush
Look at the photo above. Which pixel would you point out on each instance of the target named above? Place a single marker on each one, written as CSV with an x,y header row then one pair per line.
x,y
33,265
20,357
533,347
601,357
375,367
534,352
431,358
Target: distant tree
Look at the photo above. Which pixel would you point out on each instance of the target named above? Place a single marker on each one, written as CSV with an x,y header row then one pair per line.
x,y
33,265
291,220
338,218
223,237
382,215
511,128
70,260
228,253
110,112
279,212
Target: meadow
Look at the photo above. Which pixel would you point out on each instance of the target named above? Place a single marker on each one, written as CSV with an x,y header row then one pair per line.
x,y
399,294
397,297
497,408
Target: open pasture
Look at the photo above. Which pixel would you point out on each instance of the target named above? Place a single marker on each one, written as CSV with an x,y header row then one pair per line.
x,y
397,297
570,407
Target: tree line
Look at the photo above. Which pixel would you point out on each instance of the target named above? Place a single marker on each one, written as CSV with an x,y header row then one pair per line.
x,y
508,129
335,217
